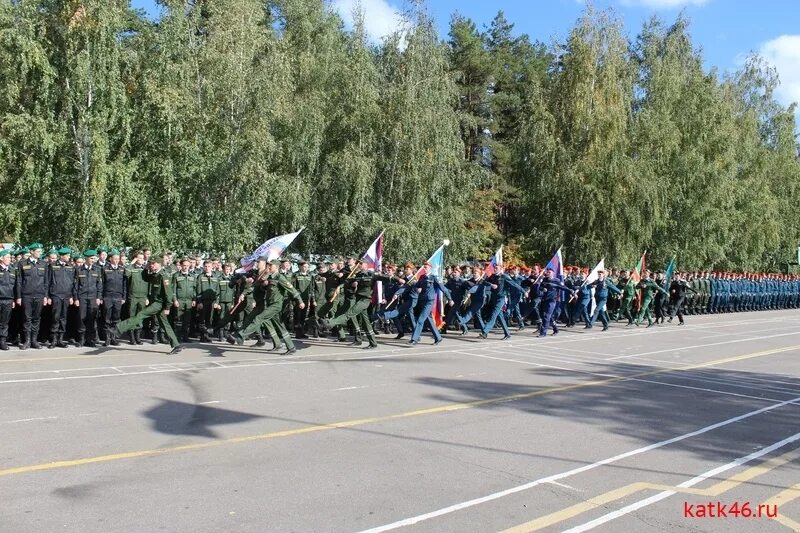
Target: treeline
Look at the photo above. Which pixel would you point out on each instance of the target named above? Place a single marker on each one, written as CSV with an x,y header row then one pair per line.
x,y
224,122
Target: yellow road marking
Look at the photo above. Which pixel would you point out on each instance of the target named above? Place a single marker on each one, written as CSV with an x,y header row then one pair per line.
x,y
782,498
617,494
363,421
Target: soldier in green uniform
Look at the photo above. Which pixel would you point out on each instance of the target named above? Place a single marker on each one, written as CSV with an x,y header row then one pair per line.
x,y
628,294
138,290
648,287
184,294
159,297
227,294
287,313
361,285
268,291
303,282
207,286
318,296
334,301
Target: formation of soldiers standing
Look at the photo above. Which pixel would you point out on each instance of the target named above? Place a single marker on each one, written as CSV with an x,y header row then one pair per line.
x,y
99,295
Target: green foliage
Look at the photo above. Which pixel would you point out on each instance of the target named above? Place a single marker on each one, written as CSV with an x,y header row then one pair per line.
x,y
225,122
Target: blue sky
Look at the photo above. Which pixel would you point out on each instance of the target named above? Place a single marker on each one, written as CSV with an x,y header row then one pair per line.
x,y
726,30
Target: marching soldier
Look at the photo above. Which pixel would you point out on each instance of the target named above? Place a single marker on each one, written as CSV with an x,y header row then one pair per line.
x,y
62,291
362,286
302,281
159,298
114,296
648,287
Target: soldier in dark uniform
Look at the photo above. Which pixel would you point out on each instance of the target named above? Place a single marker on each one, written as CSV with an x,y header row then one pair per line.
x,y
115,293
8,284
677,291
88,295
62,291
32,295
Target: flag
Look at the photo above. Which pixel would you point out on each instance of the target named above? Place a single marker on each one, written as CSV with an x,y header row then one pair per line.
x,y
636,274
557,264
593,275
436,268
374,255
273,248
669,270
497,260
636,277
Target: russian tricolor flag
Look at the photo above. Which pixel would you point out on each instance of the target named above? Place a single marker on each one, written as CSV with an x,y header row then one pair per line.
x,y
557,264
497,260
374,255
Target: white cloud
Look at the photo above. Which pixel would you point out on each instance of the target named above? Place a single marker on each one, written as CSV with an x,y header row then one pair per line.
x,y
380,17
783,53
662,4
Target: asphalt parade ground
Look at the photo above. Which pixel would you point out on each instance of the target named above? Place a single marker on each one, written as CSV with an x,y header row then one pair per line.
x,y
634,429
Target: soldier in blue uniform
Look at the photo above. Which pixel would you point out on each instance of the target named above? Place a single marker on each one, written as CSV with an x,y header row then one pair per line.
x,y
601,288
550,289
426,286
402,303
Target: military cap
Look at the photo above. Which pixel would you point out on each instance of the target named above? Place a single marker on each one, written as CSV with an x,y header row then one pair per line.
x,y
102,248
35,246
4,251
274,262
265,258
52,251
302,262
64,250
113,252
89,253
76,255
24,250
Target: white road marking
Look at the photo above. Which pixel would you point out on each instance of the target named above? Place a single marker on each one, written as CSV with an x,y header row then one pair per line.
x,y
562,475
686,484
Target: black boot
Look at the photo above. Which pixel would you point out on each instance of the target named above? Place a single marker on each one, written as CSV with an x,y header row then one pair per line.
x,y
114,338
3,345
35,340
154,340
52,343
79,342
60,341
